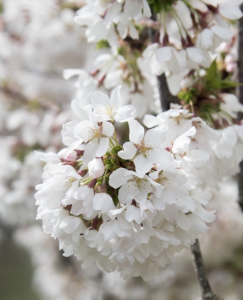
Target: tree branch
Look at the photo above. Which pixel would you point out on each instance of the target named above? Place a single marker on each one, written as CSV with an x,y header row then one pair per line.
x,y
207,293
240,95
166,98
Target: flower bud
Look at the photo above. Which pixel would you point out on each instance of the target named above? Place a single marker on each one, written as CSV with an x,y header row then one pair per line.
x,y
96,168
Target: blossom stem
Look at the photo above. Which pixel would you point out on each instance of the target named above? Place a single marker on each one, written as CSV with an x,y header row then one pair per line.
x,y
115,137
207,293
164,21
111,143
177,20
86,180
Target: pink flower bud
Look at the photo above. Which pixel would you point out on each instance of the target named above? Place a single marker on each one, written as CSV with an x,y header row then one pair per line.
x,y
231,67
229,59
96,168
72,156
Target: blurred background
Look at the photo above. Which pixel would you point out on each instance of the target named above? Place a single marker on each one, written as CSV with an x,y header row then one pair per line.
x,y
38,40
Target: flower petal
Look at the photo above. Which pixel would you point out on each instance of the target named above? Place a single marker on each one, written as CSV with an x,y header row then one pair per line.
x,y
136,132
103,202
142,164
129,151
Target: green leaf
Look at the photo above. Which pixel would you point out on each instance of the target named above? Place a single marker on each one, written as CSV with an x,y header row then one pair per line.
x,y
102,44
227,84
212,79
157,5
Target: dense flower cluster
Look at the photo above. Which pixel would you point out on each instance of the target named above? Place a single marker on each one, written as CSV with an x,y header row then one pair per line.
x,y
224,148
104,19
127,208
190,34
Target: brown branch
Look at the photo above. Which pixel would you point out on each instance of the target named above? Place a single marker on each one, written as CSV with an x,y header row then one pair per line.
x,y
166,98
240,95
207,293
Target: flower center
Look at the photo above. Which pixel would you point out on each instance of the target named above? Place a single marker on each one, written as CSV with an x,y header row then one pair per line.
x,y
138,182
96,133
142,148
69,181
162,179
109,111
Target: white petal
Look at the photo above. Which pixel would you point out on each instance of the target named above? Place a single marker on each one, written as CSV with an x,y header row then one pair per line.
x,y
142,164
183,222
129,151
83,130
206,38
132,8
124,195
125,113
90,152
155,137
136,132
100,100
181,144
222,32
107,129
231,13
198,158
163,54
116,99
133,31
102,147
81,112
150,121
160,156
70,224
146,9
195,54
103,202
117,178
133,213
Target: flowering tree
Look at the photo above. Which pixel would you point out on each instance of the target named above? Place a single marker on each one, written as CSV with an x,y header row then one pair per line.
x,y
119,196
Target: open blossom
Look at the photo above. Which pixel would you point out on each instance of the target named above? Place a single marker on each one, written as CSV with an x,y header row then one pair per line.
x,y
133,185
193,142
127,208
145,149
96,136
101,17
111,109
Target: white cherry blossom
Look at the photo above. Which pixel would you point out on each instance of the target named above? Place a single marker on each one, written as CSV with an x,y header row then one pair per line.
x,y
111,109
145,149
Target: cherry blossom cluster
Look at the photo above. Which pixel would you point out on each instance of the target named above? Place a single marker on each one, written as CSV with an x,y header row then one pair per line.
x,y
189,34
106,19
110,71
223,148
128,208
181,40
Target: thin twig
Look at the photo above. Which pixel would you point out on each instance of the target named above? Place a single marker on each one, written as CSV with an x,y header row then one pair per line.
x,y
240,95
207,293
